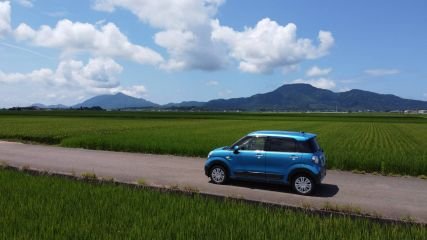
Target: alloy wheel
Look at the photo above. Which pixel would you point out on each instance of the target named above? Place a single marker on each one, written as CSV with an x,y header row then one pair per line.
x,y
218,175
303,184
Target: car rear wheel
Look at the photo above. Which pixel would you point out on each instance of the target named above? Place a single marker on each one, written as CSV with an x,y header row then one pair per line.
x,y
218,174
303,184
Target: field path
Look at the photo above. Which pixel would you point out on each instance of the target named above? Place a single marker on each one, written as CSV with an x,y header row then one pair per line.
x,y
390,197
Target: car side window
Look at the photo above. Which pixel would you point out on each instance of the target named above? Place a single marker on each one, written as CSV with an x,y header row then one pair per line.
x,y
252,144
277,144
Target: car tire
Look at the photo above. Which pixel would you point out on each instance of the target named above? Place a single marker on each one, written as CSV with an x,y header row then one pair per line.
x,y
218,174
303,184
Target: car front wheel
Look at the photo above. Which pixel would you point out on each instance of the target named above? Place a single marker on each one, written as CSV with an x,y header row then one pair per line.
x,y
218,174
303,184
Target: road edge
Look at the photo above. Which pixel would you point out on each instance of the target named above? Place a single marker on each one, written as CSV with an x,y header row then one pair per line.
x,y
93,179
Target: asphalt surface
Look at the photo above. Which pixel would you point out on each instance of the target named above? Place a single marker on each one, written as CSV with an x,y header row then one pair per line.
x,y
389,197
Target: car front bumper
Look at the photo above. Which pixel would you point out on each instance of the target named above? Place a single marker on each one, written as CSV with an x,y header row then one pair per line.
x,y
206,170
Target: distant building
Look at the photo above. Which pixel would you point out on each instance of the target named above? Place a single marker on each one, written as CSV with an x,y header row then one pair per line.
x,y
410,112
422,111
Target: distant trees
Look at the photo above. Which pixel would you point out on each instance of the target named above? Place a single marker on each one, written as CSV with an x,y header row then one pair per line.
x,y
35,108
94,108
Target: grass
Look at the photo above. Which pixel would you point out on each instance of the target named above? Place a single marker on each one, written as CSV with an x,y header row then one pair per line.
x,y
89,176
46,207
358,171
382,143
3,164
190,189
141,182
346,208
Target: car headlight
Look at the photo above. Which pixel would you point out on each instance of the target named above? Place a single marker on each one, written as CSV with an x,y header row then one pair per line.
x,y
210,153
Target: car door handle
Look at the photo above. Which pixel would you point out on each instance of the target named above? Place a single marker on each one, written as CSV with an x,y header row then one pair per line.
x,y
294,157
259,155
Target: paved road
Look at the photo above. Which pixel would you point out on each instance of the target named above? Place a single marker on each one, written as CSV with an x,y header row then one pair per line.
x,y
391,197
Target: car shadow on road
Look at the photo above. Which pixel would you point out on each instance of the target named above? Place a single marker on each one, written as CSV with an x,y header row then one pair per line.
x,y
323,190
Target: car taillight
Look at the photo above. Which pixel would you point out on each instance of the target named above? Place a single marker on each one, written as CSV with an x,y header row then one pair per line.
x,y
315,159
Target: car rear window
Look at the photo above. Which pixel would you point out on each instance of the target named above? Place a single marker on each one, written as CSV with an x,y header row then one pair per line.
x,y
308,146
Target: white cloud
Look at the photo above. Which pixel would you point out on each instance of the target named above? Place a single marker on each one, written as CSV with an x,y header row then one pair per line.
x,y
225,93
100,22
290,68
34,76
269,45
5,12
381,72
324,83
134,91
166,14
344,89
23,32
315,71
194,40
70,82
98,73
26,3
212,83
185,30
191,49
71,37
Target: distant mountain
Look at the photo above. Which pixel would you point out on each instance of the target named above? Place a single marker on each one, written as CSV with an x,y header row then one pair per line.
x,y
303,97
57,106
289,97
38,105
359,99
185,104
116,101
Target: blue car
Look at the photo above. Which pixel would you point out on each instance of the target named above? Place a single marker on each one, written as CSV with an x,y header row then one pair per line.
x,y
291,158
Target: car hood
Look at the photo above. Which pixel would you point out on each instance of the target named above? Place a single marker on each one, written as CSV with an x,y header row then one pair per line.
x,y
220,148
218,151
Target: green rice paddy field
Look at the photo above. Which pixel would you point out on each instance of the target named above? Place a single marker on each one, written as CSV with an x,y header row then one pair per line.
x,y
47,207
383,143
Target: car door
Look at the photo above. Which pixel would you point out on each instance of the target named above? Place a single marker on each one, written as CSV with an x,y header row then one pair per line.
x,y
250,158
281,153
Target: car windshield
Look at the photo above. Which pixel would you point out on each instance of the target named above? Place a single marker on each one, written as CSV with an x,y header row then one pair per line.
x,y
251,143
240,141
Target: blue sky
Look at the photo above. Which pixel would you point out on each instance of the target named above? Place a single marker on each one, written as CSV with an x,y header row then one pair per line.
x,y
170,51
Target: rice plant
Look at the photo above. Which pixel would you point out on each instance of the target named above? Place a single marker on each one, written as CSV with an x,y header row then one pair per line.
x,y
381,143
47,207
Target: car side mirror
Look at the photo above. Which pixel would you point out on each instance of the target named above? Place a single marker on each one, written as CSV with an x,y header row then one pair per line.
x,y
236,149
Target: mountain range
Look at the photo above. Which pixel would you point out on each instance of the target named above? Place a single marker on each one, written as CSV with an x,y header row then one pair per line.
x,y
116,101
289,97
57,106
